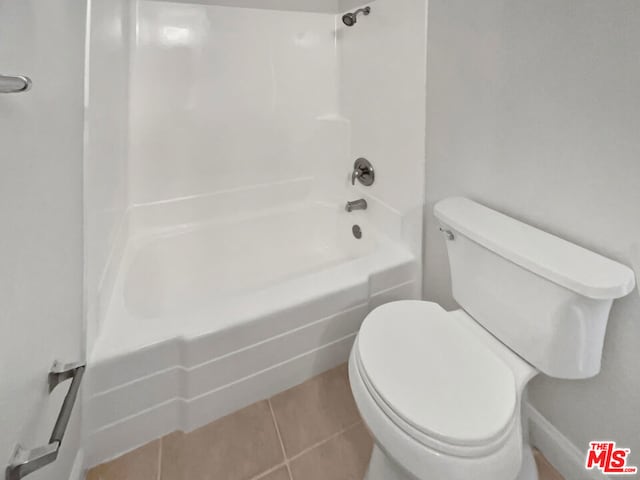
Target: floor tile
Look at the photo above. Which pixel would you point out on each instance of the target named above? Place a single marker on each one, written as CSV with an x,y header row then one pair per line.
x,y
280,474
545,469
311,412
237,447
344,457
141,464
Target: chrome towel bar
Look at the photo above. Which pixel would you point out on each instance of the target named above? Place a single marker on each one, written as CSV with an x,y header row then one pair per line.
x,y
25,461
14,83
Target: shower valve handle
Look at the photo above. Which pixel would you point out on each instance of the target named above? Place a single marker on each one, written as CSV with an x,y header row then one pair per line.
x,y
356,174
363,172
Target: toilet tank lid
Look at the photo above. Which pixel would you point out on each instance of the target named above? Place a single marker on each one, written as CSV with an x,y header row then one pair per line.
x,y
553,258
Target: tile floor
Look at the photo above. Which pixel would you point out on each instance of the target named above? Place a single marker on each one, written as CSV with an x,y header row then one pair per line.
x,y
310,432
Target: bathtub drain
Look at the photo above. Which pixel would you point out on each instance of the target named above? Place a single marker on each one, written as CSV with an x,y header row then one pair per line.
x,y
357,232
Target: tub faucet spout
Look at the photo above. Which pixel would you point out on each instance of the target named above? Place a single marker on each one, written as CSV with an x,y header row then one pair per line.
x,y
360,204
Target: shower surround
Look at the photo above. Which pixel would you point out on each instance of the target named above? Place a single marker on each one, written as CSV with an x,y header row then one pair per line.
x,y
234,273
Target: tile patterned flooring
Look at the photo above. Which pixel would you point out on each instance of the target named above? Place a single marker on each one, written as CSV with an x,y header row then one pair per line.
x,y
545,469
311,432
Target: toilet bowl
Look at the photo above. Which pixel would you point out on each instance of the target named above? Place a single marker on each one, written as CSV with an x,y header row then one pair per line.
x,y
441,391
444,402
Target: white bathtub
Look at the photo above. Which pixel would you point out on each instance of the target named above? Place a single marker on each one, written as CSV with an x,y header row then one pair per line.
x,y
209,317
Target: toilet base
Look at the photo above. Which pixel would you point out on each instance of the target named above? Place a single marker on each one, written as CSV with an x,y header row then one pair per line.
x,y
381,467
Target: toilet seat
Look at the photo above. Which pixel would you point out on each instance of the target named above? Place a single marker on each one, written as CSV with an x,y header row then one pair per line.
x,y
436,380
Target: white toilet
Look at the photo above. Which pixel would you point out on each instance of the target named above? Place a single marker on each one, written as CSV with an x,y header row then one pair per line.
x,y
441,391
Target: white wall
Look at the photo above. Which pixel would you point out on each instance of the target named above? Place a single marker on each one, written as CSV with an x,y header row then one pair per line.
x,y
229,97
106,149
382,84
534,109
318,6
226,98
41,216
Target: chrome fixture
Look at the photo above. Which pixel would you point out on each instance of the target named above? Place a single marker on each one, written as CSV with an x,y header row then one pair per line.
x,y
363,171
448,233
360,204
26,461
350,19
14,83
357,231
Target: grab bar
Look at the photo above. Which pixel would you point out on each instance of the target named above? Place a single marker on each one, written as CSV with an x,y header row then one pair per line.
x,y
25,461
14,83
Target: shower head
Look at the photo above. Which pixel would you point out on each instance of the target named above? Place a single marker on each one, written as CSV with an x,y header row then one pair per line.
x,y
350,19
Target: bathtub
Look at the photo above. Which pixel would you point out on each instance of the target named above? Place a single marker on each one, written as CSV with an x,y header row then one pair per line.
x,y
209,316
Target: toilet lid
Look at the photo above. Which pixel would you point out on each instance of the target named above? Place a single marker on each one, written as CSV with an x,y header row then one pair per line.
x,y
436,374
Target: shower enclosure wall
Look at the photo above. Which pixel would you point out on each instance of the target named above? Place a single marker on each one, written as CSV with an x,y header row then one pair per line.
x,y
222,266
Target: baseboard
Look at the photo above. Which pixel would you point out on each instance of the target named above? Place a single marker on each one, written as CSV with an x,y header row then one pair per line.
x,y
77,471
558,449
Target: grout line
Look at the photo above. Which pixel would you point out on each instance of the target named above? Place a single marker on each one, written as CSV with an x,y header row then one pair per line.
x,y
322,442
268,472
160,440
284,453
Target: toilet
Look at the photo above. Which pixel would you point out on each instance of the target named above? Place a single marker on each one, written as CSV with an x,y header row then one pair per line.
x,y
441,391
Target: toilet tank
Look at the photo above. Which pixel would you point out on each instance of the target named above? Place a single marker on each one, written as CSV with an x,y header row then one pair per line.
x,y
545,298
